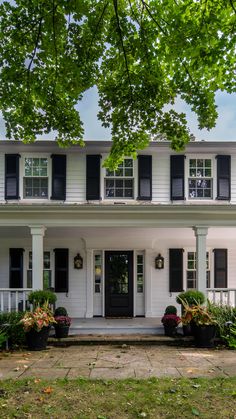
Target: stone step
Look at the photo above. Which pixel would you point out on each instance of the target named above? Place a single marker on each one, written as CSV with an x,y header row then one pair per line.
x,y
117,339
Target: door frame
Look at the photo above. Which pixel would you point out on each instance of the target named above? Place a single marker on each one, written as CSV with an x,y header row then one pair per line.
x,y
132,279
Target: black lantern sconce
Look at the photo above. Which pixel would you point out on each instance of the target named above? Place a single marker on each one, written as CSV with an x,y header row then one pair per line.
x,y
78,262
159,262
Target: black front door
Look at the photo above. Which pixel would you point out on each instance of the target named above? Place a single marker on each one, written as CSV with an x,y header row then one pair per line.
x,y
119,284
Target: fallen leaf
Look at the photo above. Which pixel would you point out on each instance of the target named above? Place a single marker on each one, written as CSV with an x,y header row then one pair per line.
x,y
196,385
195,412
47,390
16,369
37,380
25,366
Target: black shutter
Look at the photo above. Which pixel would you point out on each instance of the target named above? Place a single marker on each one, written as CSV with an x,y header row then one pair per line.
x,y
177,177
175,270
93,177
220,268
145,177
16,268
12,176
58,177
61,270
223,177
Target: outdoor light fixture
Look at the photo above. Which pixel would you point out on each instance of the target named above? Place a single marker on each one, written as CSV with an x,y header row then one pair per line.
x,y
159,262
78,262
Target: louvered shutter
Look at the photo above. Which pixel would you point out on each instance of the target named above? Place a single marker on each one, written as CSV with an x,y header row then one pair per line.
x,y
16,268
220,268
93,163
12,176
175,270
145,177
58,177
61,270
223,177
177,177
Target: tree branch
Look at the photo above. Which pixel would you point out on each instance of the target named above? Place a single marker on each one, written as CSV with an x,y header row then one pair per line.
x,y
97,26
123,48
34,52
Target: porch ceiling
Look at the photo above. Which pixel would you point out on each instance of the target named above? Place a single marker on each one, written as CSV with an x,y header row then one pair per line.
x,y
118,216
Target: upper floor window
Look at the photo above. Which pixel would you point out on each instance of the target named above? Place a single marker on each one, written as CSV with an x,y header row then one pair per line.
x,y
36,177
191,270
119,183
200,178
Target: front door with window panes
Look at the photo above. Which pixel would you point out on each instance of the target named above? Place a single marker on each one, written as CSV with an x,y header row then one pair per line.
x,y
200,179
119,284
191,270
47,273
119,183
35,178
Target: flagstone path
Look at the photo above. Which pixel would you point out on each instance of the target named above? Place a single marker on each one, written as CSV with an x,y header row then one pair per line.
x,y
117,362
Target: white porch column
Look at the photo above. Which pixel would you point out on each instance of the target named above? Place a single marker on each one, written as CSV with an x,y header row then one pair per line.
x,y
200,234
89,283
148,282
37,233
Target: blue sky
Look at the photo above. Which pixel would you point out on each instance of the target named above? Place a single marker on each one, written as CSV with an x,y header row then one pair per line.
x,y
225,127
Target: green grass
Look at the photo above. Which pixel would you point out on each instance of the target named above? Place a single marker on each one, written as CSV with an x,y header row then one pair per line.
x,y
87,399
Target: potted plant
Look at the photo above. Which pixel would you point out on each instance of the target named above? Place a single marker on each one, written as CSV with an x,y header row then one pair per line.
x,y
204,324
189,298
37,324
40,297
63,322
170,321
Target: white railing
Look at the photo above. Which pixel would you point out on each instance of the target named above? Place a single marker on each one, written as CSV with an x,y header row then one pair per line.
x,y
225,296
13,299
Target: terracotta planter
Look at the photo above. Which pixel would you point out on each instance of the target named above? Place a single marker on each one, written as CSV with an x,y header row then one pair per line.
x,y
61,331
37,341
204,336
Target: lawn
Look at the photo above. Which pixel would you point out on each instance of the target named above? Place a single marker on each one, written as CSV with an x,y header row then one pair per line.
x,y
153,398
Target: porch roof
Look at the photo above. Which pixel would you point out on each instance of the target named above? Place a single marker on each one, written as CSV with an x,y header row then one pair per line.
x,y
110,215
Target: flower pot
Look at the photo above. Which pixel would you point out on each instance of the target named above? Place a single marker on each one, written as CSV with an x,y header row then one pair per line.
x,y
170,330
204,336
61,331
37,341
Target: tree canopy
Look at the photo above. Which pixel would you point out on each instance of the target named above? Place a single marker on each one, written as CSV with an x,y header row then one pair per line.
x,y
141,55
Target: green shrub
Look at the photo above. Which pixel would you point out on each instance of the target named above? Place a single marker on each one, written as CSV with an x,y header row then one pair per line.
x,y
224,315
60,311
14,330
171,310
191,297
230,337
40,297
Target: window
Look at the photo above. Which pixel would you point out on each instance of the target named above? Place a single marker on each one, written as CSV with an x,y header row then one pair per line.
x,y
119,183
200,178
97,273
140,273
36,178
47,273
191,270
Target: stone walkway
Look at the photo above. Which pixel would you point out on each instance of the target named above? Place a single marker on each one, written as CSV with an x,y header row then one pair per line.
x,y
117,362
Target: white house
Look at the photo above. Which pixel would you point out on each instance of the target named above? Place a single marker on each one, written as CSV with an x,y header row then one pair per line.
x,y
95,235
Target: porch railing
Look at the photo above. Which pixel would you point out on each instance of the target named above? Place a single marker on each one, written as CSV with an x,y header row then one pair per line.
x,y
13,299
225,296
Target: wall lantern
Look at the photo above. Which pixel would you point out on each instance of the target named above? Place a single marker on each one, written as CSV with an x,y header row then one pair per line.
x,y
159,262
78,262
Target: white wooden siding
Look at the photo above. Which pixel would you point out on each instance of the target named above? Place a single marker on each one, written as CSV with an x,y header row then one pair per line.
x,y
76,178
161,178
2,176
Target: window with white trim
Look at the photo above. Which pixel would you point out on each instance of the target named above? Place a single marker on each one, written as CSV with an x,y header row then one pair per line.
x,y
200,178
36,177
191,270
119,183
140,273
47,272
97,272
